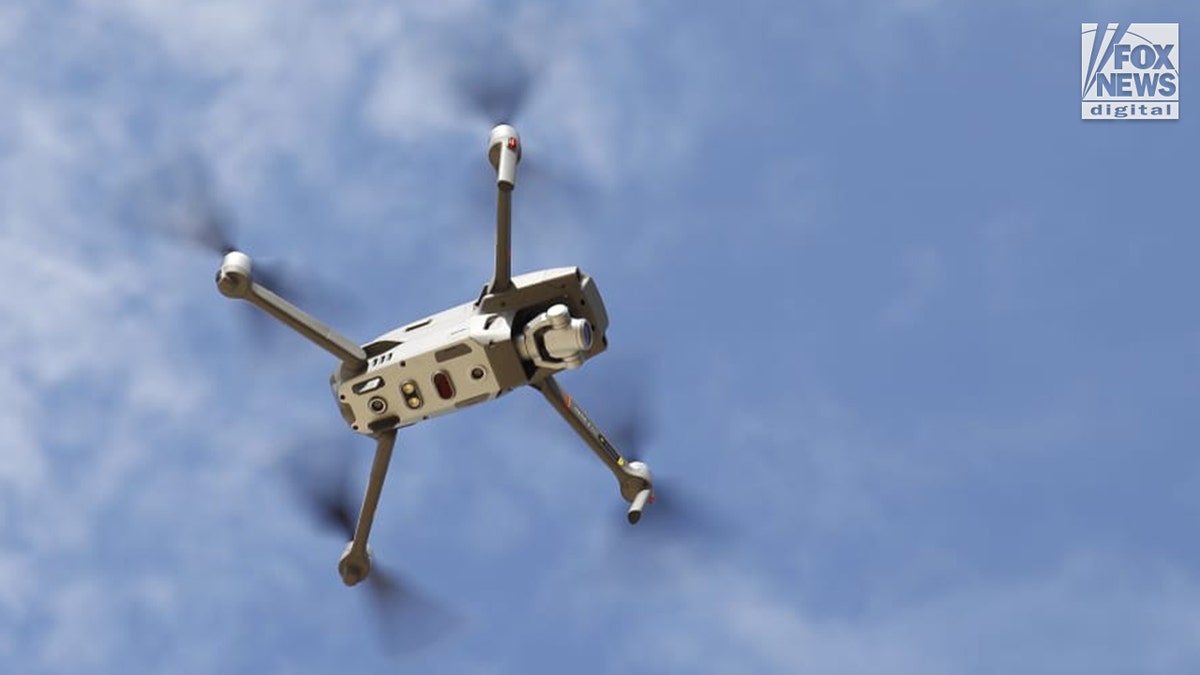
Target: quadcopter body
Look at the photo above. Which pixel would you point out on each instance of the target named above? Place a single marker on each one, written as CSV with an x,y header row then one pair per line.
x,y
548,320
519,331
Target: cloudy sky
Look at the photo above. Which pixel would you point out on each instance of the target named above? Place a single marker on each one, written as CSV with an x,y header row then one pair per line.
x,y
919,349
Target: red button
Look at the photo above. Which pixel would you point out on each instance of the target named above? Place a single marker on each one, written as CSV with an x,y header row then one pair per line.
x,y
445,388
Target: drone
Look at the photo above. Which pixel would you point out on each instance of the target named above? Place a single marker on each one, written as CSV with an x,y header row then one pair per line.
x,y
519,331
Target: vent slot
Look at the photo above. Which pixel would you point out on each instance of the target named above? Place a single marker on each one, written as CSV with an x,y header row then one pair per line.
x,y
377,348
454,352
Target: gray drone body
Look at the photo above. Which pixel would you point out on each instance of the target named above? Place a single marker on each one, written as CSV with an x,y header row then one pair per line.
x,y
519,331
549,320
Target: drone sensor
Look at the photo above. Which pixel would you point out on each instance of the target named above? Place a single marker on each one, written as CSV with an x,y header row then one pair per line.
x,y
445,388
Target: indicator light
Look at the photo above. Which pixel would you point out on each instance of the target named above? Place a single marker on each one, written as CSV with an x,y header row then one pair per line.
x,y
445,388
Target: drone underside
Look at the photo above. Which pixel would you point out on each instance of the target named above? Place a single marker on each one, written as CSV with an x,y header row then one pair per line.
x,y
519,331
548,320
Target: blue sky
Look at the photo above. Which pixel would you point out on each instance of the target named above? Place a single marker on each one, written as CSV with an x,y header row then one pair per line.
x,y
920,346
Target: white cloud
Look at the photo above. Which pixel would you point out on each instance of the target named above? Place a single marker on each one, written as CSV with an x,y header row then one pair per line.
x,y
76,611
1092,613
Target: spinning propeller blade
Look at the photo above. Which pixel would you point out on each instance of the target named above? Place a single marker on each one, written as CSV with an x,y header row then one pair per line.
x,y
673,524
177,199
500,94
628,418
407,618
494,81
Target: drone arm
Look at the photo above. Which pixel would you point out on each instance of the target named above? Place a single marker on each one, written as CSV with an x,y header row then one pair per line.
x,y
307,325
633,477
504,152
355,564
502,280
234,281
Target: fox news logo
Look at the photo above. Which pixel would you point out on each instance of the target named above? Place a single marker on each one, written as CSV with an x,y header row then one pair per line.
x,y
1130,71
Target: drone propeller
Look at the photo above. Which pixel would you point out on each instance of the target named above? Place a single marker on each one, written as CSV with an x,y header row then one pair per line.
x,y
493,79
499,93
177,199
628,422
495,83
631,433
407,618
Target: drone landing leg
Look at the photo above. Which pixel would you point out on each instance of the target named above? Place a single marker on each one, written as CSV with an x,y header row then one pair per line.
x,y
634,477
355,563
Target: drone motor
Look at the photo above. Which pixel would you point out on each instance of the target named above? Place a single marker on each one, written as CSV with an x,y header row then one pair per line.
x,y
234,276
504,152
